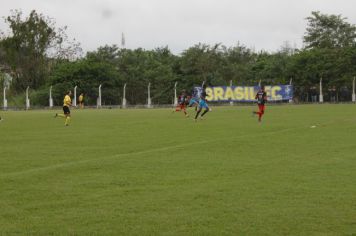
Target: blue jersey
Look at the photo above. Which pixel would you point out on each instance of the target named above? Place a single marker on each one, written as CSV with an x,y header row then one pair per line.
x,y
197,92
203,104
202,101
193,100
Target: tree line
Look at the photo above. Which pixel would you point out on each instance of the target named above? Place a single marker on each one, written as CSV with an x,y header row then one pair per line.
x,y
39,55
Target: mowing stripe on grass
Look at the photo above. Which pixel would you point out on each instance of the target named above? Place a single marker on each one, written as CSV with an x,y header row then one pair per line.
x,y
73,163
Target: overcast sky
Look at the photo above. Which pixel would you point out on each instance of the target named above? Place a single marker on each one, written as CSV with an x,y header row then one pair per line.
x,y
180,24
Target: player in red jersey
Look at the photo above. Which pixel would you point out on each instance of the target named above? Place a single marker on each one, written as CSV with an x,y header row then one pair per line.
x,y
261,98
182,103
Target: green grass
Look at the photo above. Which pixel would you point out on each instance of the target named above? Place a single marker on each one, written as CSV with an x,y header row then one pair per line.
x,y
148,172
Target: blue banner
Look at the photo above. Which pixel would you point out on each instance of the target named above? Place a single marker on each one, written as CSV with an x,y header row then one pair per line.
x,y
248,93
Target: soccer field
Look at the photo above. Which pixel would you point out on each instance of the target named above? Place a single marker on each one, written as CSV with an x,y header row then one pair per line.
x,y
151,172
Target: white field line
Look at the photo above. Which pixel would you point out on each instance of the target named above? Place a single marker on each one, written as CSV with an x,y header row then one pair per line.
x,y
73,163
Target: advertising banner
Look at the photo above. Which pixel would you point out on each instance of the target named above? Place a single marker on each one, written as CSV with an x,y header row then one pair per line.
x,y
248,93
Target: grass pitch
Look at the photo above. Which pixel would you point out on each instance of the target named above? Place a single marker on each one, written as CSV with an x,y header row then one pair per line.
x,y
150,172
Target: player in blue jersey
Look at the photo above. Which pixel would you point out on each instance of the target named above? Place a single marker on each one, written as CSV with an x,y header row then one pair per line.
x,y
202,105
194,99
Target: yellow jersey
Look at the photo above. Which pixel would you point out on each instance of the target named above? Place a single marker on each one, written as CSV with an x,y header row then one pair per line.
x,y
67,101
81,98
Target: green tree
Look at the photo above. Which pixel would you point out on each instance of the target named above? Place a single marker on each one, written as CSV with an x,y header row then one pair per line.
x,y
31,47
237,65
87,75
139,67
329,31
201,63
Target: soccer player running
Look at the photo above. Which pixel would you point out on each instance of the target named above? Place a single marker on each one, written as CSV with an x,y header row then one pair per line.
x,y
261,98
194,100
81,100
67,102
202,104
182,100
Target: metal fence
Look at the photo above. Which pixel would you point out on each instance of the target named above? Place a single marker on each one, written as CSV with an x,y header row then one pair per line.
x,y
311,94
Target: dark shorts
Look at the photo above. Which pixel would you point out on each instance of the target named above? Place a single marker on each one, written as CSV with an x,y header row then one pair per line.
x,y
66,110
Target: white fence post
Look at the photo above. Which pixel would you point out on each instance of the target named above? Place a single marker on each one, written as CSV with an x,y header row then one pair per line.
x,y
98,100
50,97
290,84
353,91
5,100
231,102
321,97
175,94
124,97
202,85
149,96
27,99
75,96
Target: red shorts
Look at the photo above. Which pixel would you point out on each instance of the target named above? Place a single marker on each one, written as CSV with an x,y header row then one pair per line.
x,y
261,107
180,107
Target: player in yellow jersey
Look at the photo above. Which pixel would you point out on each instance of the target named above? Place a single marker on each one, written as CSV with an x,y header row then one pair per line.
x,y
81,100
67,102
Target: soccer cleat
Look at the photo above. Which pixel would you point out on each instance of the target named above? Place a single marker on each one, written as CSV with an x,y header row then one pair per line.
x,y
201,118
187,115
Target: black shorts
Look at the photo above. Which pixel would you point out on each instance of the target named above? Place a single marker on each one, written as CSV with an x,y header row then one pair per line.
x,y
66,110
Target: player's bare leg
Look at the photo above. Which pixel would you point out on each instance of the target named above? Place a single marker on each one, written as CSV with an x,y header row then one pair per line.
x,y
197,114
206,111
